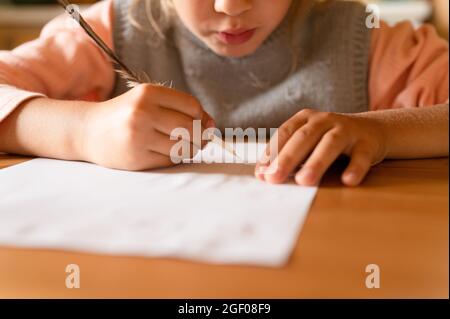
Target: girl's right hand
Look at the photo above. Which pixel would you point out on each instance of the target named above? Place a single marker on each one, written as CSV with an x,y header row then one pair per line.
x,y
132,131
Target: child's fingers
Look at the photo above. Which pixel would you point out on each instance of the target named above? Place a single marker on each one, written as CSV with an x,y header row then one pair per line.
x,y
176,100
295,151
269,155
327,151
259,171
208,121
162,144
360,163
172,99
144,161
279,139
159,160
168,120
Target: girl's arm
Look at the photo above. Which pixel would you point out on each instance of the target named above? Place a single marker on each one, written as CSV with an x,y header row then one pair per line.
x,y
63,63
46,128
131,131
318,138
413,132
408,67
409,75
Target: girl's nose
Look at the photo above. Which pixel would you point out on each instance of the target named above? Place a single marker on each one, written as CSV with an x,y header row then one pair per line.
x,y
232,7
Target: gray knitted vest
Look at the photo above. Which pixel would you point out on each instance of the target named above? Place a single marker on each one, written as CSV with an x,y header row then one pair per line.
x,y
260,90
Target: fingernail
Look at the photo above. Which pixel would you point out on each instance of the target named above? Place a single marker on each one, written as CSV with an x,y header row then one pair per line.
x,y
351,178
307,176
275,174
261,169
350,175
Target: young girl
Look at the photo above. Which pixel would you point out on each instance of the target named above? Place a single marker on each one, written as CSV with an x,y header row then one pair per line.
x,y
317,71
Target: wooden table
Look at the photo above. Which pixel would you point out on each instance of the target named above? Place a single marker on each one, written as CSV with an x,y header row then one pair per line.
x,y
398,220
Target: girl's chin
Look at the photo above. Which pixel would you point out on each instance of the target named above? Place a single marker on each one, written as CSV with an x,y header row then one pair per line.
x,y
233,51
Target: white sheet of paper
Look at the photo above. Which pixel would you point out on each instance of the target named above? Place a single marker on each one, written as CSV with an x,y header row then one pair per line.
x,y
217,213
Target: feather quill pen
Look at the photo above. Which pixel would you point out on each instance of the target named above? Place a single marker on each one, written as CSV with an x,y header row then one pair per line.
x,y
132,78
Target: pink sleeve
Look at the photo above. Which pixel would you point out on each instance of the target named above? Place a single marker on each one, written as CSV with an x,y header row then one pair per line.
x,y
63,63
408,67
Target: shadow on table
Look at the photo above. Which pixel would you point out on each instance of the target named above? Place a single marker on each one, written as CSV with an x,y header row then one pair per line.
x,y
215,168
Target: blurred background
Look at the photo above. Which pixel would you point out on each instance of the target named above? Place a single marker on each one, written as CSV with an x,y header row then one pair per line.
x,y
22,20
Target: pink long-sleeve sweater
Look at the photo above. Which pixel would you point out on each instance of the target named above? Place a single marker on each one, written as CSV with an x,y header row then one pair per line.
x,y
408,67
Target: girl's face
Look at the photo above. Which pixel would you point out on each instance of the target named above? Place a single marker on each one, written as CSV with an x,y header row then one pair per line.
x,y
233,28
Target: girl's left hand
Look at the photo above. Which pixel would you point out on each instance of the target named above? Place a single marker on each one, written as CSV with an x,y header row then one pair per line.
x,y
317,139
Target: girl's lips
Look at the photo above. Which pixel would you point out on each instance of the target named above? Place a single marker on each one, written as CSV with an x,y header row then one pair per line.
x,y
236,37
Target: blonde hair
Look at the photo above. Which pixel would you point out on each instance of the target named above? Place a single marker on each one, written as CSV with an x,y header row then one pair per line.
x,y
159,21
160,18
